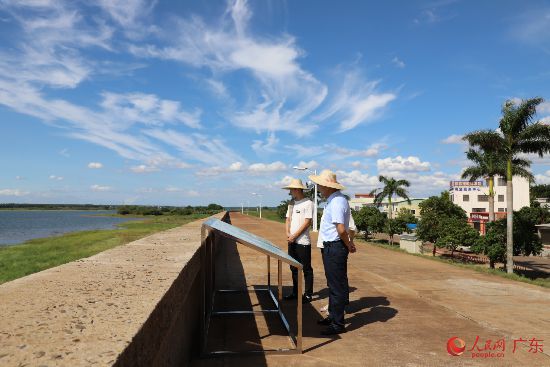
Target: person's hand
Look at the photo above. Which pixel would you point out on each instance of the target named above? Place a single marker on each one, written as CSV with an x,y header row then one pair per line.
x,y
291,238
352,247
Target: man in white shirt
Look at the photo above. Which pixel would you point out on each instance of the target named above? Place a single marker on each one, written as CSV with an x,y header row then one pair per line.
x,y
337,246
298,220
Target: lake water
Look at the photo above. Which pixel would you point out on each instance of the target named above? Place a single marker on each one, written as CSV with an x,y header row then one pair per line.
x,y
19,226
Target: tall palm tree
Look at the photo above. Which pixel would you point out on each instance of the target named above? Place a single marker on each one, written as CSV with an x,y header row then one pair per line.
x,y
392,187
517,135
488,164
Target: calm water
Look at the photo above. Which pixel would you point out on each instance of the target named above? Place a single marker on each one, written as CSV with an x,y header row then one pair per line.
x,y
20,226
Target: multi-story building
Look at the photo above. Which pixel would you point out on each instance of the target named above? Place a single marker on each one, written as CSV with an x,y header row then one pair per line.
x,y
473,197
361,200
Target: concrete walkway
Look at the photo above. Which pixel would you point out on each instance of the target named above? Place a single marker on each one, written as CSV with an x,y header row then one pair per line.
x,y
403,310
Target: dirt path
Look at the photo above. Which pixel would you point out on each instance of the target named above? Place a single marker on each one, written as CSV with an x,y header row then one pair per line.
x,y
403,310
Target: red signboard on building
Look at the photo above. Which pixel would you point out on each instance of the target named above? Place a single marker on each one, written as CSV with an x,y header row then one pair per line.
x,y
479,217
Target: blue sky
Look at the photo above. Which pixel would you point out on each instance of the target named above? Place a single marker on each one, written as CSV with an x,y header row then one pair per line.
x,y
192,102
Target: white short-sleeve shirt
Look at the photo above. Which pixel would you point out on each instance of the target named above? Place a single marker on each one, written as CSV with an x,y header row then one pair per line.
x,y
336,211
301,210
352,227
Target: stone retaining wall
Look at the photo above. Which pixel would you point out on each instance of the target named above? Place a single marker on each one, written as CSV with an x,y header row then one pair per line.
x,y
133,305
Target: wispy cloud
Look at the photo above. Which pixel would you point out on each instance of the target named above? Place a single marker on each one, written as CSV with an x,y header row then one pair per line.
x,y
13,192
401,164
95,165
454,139
398,63
356,101
100,188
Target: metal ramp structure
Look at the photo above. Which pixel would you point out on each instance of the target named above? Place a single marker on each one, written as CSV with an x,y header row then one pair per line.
x,y
211,231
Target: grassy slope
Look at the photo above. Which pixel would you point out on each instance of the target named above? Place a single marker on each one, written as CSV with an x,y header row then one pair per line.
x,y
43,253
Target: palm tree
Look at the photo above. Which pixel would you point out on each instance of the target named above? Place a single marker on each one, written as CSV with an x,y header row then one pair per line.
x,y
488,164
392,187
517,135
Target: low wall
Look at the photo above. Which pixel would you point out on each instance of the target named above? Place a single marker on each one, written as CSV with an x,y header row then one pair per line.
x,y
133,305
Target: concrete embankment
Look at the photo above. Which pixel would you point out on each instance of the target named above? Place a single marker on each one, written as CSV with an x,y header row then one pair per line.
x,y
133,305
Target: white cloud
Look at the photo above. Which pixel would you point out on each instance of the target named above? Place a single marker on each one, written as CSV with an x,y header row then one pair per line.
x,y
202,148
236,166
142,168
185,192
356,179
99,188
402,164
544,107
283,182
357,101
311,165
338,152
453,139
398,63
305,151
95,165
271,167
19,178
64,153
255,169
56,178
286,93
543,178
13,192
268,147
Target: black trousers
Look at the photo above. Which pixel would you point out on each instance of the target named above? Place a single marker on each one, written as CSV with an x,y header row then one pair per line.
x,y
302,253
335,260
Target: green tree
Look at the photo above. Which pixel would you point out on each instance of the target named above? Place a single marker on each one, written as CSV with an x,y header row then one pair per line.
x,y
456,232
493,244
393,227
434,211
282,208
517,135
539,191
405,216
369,219
392,187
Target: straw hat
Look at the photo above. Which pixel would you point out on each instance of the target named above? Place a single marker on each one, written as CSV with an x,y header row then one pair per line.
x,y
295,183
327,178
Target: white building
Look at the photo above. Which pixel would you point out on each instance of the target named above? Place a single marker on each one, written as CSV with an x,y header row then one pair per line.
x,y
473,197
361,200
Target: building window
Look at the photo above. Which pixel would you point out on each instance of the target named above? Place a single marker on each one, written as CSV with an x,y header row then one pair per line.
x,y
501,198
465,197
479,210
501,182
502,210
413,211
483,198
452,198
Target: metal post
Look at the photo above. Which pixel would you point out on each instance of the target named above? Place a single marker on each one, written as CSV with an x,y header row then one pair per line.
x,y
315,224
268,272
299,312
280,281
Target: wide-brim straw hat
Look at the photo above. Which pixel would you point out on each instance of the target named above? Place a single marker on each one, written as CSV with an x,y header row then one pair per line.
x,y
327,178
295,183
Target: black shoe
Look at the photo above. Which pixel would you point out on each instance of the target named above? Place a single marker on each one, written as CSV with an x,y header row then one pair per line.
x,y
333,330
306,299
290,296
326,321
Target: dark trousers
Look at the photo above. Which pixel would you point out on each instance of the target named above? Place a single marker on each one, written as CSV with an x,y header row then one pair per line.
x,y
335,261
302,254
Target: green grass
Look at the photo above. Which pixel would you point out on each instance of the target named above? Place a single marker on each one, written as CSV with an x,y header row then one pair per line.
x,y
542,282
44,253
266,214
